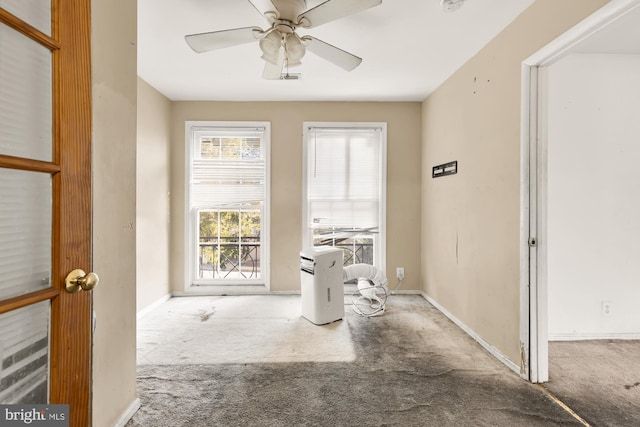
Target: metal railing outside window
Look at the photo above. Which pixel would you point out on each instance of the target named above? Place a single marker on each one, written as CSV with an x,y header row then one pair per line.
x,y
229,244
228,258
358,249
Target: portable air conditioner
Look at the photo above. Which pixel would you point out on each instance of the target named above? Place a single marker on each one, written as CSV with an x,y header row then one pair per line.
x,y
322,286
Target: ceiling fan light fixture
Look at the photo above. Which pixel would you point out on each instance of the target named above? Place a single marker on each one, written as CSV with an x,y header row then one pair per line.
x,y
270,58
270,46
294,48
451,5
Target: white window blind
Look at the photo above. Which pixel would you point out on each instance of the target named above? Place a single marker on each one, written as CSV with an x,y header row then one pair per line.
x,y
228,167
34,12
344,177
26,118
25,231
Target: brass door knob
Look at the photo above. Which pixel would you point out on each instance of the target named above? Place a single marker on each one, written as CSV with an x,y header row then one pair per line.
x,y
78,279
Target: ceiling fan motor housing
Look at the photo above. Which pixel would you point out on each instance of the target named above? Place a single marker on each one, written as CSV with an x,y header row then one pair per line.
x,y
289,10
285,27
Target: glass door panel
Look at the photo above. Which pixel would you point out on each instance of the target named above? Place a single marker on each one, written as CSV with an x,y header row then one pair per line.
x,y
36,13
24,355
25,231
25,96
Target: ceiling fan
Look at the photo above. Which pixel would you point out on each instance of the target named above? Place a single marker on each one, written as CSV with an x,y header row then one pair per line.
x,y
280,44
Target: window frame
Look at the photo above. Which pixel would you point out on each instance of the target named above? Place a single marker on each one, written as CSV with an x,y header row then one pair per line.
x,y
380,251
191,214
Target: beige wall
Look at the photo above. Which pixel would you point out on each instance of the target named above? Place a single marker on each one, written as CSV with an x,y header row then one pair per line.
x,y
114,207
470,221
403,178
152,182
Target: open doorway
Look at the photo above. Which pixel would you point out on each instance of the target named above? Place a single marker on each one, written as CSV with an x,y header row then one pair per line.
x,y
582,103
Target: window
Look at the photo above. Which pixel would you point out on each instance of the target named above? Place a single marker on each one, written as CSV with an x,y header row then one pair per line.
x,y
345,188
227,167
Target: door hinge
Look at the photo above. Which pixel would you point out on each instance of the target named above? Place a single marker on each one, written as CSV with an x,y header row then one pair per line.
x,y
533,242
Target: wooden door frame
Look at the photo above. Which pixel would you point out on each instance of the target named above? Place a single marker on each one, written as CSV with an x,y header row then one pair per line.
x,y
533,187
70,358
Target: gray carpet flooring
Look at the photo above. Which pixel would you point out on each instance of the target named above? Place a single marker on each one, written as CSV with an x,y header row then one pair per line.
x,y
600,379
409,367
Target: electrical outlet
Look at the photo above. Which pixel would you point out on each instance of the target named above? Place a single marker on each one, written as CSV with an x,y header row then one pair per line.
x,y
605,308
400,273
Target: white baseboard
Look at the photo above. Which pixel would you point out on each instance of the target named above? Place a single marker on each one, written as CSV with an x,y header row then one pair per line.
x,y
594,336
152,306
491,349
406,292
229,293
217,291
126,416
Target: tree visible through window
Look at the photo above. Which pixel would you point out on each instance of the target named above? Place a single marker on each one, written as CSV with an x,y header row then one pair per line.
x,y
229,244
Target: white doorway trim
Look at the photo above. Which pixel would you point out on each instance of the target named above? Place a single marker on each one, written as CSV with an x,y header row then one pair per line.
x,y
533,188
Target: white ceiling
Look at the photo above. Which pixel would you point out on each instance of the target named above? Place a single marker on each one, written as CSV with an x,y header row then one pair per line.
x,y
409,47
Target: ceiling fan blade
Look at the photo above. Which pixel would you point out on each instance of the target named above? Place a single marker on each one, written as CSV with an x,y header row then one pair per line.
x,y
274,71
331,10
331,53
265,7
205,42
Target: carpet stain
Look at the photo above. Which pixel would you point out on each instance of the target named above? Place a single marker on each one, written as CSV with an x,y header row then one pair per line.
x,y
206,315
629,387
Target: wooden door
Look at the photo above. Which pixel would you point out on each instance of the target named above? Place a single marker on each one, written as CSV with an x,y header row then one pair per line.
x,y
45,203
